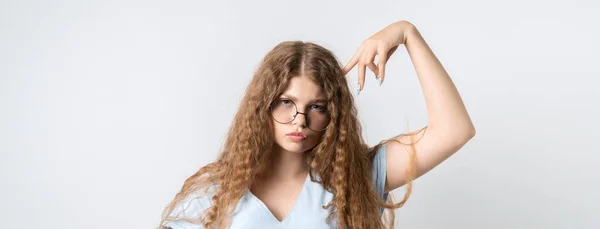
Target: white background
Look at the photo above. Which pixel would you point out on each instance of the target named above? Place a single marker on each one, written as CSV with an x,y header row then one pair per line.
x,y
107,106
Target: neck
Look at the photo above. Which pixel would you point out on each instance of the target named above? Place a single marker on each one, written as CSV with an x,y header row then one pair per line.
x,y
287,165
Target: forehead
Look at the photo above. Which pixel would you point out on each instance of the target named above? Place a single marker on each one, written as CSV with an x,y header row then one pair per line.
x,y
304,89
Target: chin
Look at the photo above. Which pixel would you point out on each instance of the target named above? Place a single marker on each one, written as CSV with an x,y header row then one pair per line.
x,y
295,147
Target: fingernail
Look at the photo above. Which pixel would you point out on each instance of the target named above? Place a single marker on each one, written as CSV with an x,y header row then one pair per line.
x,y
380,81
357,89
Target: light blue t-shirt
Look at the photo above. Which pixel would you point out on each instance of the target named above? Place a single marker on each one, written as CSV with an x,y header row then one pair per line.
x,y
251,212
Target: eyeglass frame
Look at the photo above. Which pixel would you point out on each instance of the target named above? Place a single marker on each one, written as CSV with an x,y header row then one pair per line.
x,y
294,116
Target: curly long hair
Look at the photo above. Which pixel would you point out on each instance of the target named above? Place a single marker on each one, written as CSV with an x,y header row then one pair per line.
x,y
341,159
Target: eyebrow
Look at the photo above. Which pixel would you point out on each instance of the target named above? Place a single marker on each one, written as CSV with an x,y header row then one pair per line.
x,y
312,101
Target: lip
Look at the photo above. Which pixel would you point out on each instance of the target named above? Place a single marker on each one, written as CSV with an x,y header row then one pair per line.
x,y
296,134
296,138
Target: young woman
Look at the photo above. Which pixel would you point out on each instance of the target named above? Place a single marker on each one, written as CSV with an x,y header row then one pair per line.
x,y
294,156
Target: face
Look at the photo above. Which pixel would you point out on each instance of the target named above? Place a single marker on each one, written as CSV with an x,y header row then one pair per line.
x,y
309,99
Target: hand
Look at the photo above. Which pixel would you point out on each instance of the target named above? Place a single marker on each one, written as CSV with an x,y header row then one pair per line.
x,y
381,44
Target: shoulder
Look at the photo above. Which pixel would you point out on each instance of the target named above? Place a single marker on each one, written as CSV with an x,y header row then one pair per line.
x,y
199,200
191,207
377,155
378,161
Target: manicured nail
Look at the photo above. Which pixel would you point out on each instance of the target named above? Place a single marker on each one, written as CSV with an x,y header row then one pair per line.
x,y
380,81
357,89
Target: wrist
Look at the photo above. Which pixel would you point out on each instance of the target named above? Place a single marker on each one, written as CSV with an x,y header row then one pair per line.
x,y
410,33
405,29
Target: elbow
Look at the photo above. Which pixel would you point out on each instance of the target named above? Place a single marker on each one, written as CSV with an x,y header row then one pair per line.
x,y
465,137
466,134
470,133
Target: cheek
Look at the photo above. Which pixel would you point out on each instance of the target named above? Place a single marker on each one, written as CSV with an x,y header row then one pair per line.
x,y
316,138
277,131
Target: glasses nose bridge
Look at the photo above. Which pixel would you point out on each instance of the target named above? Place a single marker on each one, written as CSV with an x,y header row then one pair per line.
x,y
298,112
306,119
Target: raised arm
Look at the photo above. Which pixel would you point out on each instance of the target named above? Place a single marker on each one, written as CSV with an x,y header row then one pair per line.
x,y
450,126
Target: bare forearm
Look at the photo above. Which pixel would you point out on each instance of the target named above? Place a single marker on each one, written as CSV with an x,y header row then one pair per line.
x,y
445,108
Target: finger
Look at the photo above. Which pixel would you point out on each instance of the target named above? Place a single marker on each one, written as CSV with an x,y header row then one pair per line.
x,y
373,68
353,61
382,53
361,76
368,55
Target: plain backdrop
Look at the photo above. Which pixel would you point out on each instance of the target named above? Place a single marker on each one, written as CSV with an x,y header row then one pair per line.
x,y
106,107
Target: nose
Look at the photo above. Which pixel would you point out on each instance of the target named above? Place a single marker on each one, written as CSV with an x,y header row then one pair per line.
x,y
300,119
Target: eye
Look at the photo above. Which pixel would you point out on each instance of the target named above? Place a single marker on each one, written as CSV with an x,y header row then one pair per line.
x,y
318,108
285,101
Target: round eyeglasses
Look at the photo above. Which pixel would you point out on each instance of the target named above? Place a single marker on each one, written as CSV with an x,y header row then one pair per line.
x,y
285,111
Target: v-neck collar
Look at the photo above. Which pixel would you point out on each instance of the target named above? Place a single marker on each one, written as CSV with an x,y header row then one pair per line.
x,y
286,218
